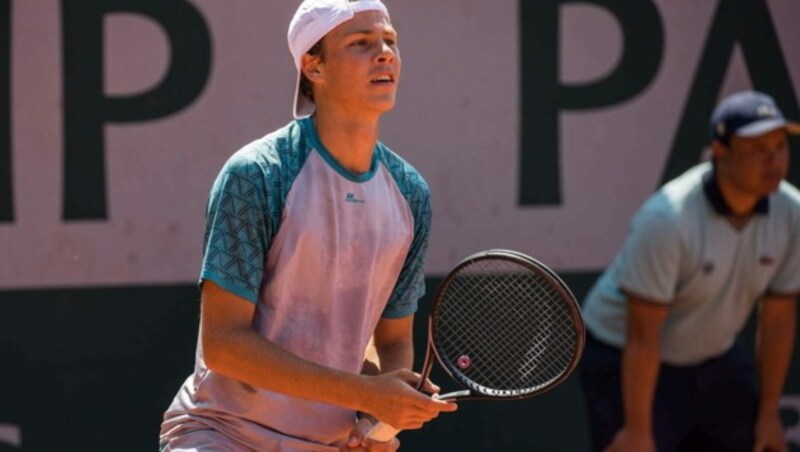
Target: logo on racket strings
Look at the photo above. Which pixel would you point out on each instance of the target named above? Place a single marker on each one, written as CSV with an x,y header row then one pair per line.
x,y
463,362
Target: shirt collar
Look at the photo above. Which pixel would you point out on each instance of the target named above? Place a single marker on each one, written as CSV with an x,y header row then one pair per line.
x,y
714,196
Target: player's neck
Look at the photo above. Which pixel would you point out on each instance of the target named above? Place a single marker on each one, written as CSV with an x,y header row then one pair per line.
x,y
350,140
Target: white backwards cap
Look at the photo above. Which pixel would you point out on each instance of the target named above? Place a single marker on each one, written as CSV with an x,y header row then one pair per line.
x,y
311,22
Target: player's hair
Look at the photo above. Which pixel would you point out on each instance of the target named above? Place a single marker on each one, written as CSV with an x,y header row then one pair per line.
x,y
305,84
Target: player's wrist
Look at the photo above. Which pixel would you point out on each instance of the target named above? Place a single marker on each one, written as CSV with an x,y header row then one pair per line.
x,y
768,415
638,426
768,406
367,390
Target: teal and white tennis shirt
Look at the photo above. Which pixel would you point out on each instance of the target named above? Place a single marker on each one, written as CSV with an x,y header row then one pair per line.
x,y
682,252
324,254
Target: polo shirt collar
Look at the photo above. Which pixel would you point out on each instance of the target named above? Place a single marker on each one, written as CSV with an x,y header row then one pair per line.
x,y
714,196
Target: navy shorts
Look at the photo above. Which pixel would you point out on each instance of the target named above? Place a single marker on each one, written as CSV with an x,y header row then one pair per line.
x,y
705,407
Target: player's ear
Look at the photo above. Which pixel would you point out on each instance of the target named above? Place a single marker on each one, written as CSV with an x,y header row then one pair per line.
x,y
311,66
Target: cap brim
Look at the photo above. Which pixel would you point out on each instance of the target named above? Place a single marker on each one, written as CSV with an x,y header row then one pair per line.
x,y
768,125
303,107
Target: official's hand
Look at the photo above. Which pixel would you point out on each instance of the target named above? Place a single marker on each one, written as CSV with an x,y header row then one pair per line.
x,y
392,398
632,441
770,436
357,441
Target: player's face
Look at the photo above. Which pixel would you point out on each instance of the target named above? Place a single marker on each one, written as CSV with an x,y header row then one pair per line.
x,y
361,66
756,165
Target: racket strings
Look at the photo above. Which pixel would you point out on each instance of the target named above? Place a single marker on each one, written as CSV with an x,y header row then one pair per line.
x,y
503,326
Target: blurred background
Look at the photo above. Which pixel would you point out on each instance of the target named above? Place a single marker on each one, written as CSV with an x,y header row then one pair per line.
x,y
540,126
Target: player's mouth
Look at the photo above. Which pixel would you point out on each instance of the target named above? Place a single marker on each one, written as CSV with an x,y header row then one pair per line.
x,y
383,79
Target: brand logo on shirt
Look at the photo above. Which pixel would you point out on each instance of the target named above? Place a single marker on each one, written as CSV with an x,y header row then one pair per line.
x,y
351,197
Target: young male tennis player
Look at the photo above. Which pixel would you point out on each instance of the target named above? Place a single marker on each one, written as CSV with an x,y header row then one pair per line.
x,y
314,244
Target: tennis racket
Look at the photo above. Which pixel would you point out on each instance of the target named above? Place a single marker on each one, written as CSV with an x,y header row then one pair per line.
x,y
503,326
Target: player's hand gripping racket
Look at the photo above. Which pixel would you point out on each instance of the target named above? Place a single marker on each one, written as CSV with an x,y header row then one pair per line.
x,y
502,325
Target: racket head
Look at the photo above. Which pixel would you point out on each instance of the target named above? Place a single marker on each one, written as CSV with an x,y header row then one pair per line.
x,y
505,326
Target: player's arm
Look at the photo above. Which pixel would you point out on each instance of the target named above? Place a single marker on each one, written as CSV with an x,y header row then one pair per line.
x,y
394,346
391,348
641,360
357,439
774,343
232,347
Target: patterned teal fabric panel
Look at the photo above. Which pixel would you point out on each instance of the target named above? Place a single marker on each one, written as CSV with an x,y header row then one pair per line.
x,y
410,285
245,207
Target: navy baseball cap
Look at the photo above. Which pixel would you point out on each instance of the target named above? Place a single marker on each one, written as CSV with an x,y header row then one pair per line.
x,y
748,114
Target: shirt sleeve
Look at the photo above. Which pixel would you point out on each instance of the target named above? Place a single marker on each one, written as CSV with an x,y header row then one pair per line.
x,y
236,237
651,257
410,286
787,279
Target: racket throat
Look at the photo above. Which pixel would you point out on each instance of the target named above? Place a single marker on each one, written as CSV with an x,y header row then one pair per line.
x,y
453,395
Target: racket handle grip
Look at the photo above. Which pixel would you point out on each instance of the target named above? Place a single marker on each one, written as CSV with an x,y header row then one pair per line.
x,y
382,432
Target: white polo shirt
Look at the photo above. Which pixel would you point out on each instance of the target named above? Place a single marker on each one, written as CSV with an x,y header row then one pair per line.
x,y
682,252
